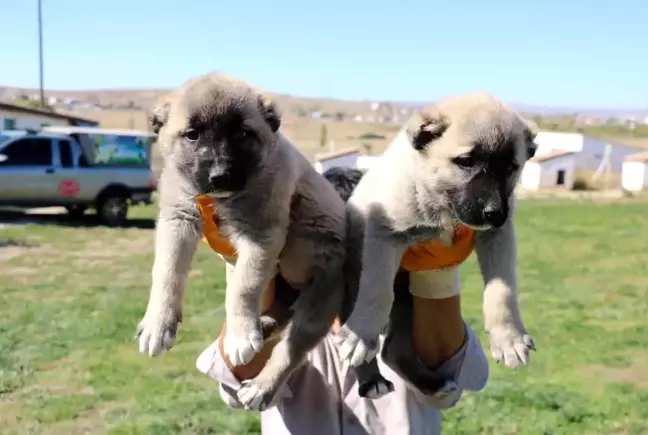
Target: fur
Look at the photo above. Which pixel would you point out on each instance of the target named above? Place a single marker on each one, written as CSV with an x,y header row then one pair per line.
x,y
457,161
219,136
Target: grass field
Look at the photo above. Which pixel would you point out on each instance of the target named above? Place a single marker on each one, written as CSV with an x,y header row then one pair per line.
x,y
71,297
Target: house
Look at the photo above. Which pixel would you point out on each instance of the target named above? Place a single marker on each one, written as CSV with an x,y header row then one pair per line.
x,y
560,155
347,158
552,169
634,176
589,151
13,117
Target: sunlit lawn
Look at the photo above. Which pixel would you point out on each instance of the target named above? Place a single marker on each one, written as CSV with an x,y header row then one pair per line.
x,y
69,304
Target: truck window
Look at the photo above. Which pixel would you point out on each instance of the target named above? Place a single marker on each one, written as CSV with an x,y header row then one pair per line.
x,y
28,152
65,151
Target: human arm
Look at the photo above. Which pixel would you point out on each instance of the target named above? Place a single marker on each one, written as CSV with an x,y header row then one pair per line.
x,y
447,349
428,344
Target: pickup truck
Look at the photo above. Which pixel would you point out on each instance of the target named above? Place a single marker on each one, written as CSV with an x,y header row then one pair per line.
x,y
40,169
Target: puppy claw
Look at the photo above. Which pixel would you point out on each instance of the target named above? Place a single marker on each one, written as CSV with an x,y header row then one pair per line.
x,y
155,336
510,346
353,348
241,350
528,341
254,397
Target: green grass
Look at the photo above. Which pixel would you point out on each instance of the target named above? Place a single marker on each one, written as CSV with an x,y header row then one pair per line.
x,y
70,303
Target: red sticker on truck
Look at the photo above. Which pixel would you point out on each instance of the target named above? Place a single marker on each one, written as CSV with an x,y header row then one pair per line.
x,y
69,187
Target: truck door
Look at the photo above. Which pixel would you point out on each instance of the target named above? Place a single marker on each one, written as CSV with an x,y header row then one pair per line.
x,y
27,170
66,175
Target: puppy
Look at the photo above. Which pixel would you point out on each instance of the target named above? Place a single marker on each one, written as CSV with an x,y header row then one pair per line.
x,y
231,175
448,178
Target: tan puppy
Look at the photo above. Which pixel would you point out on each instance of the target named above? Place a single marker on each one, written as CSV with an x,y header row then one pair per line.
x,y
453,169
231,174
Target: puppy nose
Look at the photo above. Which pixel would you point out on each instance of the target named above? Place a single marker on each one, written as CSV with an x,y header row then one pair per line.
x,y
218,179
494,216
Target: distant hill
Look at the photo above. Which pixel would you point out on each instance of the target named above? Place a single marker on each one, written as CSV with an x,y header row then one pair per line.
x,y
295,105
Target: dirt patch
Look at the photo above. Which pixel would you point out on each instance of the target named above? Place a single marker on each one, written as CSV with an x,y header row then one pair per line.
x,y
89,422
635,373
12,248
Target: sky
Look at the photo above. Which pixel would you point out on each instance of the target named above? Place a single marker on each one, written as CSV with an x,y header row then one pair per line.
x,y
576,53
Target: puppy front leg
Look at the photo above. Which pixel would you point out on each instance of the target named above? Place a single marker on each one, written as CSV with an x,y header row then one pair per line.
x,y
359,336
496,252
176,240
255,267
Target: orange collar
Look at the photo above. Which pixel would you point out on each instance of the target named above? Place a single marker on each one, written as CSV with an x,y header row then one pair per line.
x,y
434,254
211,231
428,255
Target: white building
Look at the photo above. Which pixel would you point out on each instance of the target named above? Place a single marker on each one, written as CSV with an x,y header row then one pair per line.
x,y
634,176
346,158
560,155
13,117
589,151
552,169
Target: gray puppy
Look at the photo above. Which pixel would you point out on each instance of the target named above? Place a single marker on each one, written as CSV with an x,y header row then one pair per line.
x,y
270,209
455,165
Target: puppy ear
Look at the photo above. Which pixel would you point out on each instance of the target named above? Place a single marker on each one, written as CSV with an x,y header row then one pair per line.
x,y
270,113
159,117
429,126
530,133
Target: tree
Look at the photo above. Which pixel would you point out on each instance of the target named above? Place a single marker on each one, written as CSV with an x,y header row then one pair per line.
x,y
323,135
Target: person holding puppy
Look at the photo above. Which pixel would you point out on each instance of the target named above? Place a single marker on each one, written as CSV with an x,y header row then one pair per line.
x,y
321,396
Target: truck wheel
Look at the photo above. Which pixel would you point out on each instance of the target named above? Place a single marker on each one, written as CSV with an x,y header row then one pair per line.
x,y
76,211
112,209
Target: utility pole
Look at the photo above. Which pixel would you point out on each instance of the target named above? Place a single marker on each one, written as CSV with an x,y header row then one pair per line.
x,y
40,52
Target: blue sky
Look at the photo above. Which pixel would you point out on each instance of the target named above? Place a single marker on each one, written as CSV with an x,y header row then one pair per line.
x,y
551,53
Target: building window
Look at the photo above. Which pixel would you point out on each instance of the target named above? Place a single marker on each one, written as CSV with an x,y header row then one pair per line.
x,y
9,124
560,179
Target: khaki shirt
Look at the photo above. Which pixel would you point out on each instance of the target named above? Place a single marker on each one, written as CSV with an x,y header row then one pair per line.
x,y
321,397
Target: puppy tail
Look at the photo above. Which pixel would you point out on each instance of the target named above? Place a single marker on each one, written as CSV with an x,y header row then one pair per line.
x,y
344,180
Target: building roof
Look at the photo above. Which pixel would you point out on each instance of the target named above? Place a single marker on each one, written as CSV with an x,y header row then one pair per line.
x,y
639,157
550,156
334,154
41,112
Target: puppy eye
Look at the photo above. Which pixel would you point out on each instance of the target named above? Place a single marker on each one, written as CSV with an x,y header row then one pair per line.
x,y
464,161
513,167
191,135
243,135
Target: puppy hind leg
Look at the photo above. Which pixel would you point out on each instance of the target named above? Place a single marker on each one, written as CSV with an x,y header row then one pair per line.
x,y
277,317
371,383
314,313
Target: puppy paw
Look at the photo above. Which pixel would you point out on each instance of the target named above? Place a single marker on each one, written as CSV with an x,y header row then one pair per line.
x,y
242,344
375,388
354,348
511,345
156,333
256,396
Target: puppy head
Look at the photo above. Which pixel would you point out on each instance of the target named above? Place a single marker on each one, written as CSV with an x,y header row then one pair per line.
x,y
216,130
470,150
